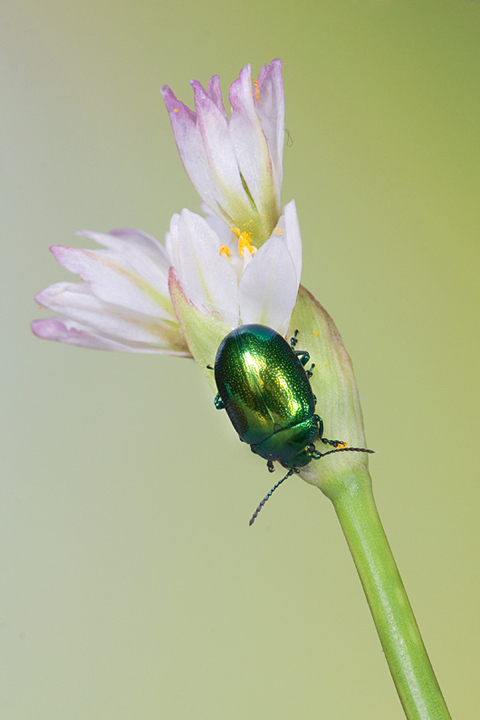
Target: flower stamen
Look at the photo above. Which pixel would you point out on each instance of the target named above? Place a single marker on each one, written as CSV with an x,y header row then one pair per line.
x,y
224,249
244,242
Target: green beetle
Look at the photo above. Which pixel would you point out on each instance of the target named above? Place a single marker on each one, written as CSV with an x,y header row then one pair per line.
x,y
263,385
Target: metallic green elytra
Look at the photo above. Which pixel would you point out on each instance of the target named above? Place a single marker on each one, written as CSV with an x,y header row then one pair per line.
x,y
267,394
265,389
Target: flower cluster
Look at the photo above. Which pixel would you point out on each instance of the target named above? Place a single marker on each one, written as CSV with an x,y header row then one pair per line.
x,y
238,263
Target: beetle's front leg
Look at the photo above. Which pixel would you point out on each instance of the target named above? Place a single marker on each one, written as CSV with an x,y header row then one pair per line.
x,y
319,422
334,443
325,441
270,466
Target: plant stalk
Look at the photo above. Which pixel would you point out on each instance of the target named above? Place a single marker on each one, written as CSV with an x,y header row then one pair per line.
x,y
397,628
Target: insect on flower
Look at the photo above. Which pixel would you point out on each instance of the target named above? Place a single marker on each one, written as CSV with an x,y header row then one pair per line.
x,y
265,389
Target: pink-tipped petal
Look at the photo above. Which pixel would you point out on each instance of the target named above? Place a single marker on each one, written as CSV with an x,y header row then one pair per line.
x,y
271,111
219,149
251,146
247,135
214,91
191,148
76,302
179,113
70,332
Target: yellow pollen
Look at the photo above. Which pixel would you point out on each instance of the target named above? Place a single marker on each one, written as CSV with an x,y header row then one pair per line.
x,y
315,332
257,91
40,307
245,244
278,231
325,362
175,109
224,249
243,241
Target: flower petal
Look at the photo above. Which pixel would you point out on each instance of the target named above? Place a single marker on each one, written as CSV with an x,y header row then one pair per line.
x,y
73,333
139,248
204,334
76,301
214,91
271,110
268,288
207,278
289,226
191,149
134,282
251,148
224,233
221,156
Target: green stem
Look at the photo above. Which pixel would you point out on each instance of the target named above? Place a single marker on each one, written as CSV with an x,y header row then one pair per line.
x,y
402,643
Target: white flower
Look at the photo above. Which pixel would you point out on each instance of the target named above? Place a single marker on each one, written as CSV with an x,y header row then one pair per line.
x,y
235,163
241,264
123,300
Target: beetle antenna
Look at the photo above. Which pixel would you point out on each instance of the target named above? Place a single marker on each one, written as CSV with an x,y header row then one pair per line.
x,y
255,514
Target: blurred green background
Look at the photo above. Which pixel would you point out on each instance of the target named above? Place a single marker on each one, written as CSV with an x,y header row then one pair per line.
x,y
131,585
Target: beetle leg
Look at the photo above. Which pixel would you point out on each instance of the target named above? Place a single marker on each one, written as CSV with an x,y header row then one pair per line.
x,y
309,372
313,452
270,466
303,356
319,422
218,402
334,443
